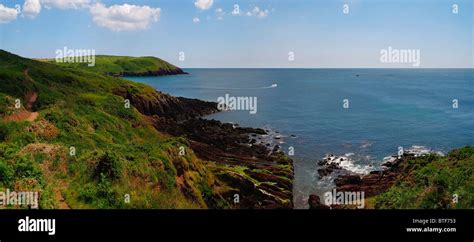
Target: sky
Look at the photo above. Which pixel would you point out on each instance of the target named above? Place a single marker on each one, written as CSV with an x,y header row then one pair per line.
x,y
262,34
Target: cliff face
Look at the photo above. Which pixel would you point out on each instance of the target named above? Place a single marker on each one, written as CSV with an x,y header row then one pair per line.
x,y
151,102
177,71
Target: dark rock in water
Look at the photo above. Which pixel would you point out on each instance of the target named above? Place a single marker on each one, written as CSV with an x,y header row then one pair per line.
x,y
257,131
393,162
314,202
322,162
293,136
254,135
328,169
276,149
253,141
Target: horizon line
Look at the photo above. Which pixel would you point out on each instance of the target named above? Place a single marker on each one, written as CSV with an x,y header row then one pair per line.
x,y
404,68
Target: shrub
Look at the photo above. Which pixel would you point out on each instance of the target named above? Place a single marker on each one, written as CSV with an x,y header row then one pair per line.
x,y
87,193
109,165
27,169
6,173
3,132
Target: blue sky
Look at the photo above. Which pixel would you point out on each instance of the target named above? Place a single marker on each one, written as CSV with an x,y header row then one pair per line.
x,y
318,32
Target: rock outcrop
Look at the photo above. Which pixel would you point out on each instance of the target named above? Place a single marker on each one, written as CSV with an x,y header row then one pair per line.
x,y
375,182
260,176
163,72
371,184
152,102
314,202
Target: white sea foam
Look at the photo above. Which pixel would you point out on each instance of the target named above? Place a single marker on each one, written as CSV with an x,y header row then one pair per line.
x,y
389,159
420,150
347,163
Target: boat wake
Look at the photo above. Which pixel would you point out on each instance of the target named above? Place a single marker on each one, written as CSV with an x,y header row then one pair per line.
x,y
231,88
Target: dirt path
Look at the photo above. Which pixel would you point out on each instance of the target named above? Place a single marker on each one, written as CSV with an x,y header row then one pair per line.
x,y
50,172
22,116
60,198
30,98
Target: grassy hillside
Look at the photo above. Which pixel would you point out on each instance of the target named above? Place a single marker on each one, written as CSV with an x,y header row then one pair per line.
x,y
433,182
125,66
117,149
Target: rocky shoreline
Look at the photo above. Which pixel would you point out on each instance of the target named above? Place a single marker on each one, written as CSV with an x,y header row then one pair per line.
x,y
178,71
372,184
261,176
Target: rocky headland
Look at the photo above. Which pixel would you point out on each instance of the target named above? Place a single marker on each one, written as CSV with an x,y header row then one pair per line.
x,y
261,175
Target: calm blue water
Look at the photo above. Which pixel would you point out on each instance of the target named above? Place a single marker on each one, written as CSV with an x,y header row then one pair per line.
x,y
388,108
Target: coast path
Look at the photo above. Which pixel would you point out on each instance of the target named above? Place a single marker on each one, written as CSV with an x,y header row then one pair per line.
x,y
30,98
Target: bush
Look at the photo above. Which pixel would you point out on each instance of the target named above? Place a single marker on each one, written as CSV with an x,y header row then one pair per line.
x,y
6,173
101,195
87,193
460,154
3,132
27,169
109,165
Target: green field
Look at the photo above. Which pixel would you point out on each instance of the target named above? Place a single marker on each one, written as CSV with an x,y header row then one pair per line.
x,y
121,65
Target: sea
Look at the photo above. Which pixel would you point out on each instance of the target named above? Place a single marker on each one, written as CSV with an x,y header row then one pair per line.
x,y
365,115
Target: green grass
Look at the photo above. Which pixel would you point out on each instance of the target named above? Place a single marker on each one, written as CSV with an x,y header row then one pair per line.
x,y
118,151
116,65
434,182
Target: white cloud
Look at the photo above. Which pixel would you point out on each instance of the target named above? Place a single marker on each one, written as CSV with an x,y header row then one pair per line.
x,y
7,14
256,11
196,20
220,13
124,17
236,12
31,8
66,4
203,4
